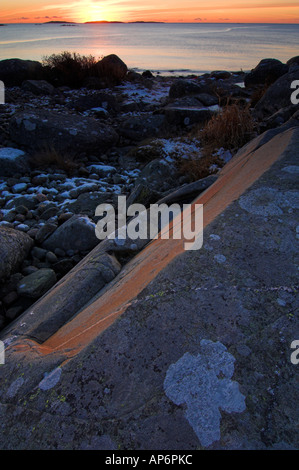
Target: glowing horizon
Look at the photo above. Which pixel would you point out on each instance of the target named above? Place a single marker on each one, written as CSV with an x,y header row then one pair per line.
x,y
205,11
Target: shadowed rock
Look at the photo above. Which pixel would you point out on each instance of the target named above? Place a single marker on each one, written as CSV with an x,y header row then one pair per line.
x,y
14,71
112,68
45,129
36,284
14,247
77,233
184,349
13,161
267,71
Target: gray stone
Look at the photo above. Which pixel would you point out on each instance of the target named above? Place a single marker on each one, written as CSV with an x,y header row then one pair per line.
x,y
186,116
157,174
77,233
96,100
267,71
39,253
163,354
28,201
13,161
38,87
142,127
183,87
112,69
37,284
63,132
14,71
83,282
14,247
277,96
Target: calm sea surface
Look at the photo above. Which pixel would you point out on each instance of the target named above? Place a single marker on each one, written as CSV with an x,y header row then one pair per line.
x,y
168,48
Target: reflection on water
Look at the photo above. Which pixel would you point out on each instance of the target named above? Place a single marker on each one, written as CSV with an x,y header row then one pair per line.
x,y
180,47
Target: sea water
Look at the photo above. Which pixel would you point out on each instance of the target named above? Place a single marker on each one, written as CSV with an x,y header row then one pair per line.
x,y
168,48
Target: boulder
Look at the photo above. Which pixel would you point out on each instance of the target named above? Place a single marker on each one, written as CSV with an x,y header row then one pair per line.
x,y
159,175
38,87
36,284
86,203
207,99
14,71
279,118
266,72
96,100
72,292
143,194
112,68
77,233
184,87
293,60
185,116
28,201
142,127
14,247
44,129
221,74
277,96
13,161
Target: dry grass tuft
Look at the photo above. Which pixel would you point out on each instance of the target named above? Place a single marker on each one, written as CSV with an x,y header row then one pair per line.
x,y
49,157
230,129
196,168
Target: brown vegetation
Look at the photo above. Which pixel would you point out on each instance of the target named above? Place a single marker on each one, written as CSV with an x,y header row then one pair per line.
x,y
196,168
230,129
68,68
50,157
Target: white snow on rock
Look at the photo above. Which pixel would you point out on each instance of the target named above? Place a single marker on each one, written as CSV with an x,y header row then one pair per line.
x,y
8,153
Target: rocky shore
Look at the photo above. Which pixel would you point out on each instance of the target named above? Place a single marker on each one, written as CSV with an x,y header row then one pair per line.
x,y
64,151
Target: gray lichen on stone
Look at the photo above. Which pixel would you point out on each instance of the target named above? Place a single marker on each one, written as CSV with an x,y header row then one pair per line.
x,y
203,383
269,201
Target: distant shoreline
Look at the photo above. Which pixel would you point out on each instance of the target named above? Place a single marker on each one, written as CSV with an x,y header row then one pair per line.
x,y
150,22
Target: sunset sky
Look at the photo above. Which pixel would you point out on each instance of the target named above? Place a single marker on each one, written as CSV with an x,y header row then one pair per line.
x,y
222,11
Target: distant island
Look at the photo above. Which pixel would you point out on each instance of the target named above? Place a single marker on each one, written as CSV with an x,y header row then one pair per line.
x,y
123,22
72,23
103,21
59,22
146,22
